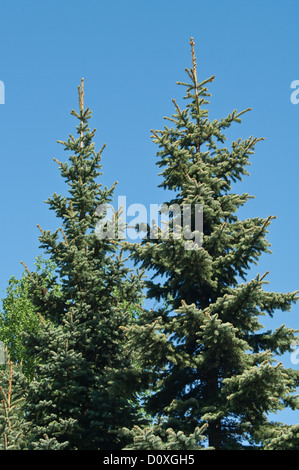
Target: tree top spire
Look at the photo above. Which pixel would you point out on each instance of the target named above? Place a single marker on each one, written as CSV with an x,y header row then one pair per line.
x,y
192,43
81,95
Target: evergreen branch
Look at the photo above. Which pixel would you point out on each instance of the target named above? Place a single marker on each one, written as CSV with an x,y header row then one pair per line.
x,y
267,222
184,84
42,318
260,279
218,235
4,395
179,112
243,112
192,43
71,209
81,96
252,289
27,270
208,80
81,105
64,236
5,441
195,82
41,230
10,384
171,119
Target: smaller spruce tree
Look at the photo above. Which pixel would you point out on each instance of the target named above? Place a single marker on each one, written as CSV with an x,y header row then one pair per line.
x,y
84,391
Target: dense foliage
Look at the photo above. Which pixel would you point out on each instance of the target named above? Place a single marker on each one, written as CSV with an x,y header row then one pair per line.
x,y
88,367
209,357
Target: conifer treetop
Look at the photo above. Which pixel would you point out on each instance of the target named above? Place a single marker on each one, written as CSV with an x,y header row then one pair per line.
x,y
211,360
80,398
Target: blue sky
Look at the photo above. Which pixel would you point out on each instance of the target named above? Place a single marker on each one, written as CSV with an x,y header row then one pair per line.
x,y
130,54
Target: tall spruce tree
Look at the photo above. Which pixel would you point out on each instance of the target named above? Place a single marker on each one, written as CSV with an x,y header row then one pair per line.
x,y
83,392
208,358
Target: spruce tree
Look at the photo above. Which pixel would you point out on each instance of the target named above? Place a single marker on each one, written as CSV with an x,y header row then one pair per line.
x,y
208,358
83,390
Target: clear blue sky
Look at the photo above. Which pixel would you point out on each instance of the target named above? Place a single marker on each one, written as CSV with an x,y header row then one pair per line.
x,y
131,53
